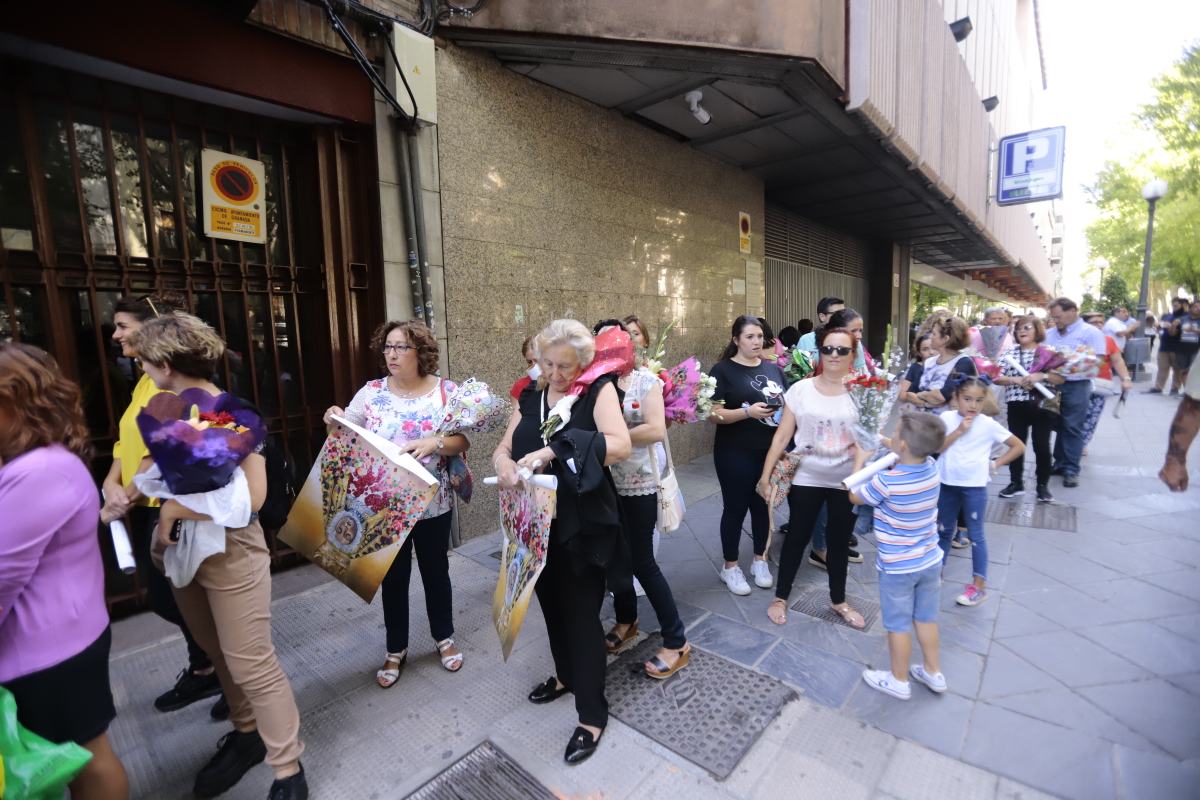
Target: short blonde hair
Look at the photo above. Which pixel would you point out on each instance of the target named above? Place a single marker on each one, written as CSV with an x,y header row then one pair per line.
x,y
570,332
187,344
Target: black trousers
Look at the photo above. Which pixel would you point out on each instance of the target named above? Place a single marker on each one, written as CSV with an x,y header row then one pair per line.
x,y
570,592
143,520
1025,416
804,502
431,537
639,515
738,470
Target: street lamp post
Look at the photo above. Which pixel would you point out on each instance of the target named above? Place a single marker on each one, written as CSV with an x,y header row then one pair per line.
x,y
1138,349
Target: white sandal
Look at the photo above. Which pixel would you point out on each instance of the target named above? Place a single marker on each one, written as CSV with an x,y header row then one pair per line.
x,y
450,663
387,677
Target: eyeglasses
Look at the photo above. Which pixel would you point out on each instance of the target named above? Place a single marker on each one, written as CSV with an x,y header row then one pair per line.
x,y
1027,328
828,350
396,348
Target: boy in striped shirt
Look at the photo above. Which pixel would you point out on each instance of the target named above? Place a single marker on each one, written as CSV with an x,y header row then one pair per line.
x,y
908,558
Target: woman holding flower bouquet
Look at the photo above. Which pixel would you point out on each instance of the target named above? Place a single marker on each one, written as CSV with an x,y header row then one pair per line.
x,y
819,418
637,481
570,423
405,407
227,603
122,499
1025,412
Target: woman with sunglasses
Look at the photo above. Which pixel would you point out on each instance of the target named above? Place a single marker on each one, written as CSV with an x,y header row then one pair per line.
x,y
1025,412
818,417
405,407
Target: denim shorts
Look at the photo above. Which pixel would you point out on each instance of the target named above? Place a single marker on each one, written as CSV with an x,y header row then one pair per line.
x,y
909,596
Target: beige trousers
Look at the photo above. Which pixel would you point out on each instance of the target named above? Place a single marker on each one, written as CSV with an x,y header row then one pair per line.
x,y
1166,363
227,607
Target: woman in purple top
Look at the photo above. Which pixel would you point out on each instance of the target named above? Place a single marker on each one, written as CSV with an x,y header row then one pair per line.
x,y
54,635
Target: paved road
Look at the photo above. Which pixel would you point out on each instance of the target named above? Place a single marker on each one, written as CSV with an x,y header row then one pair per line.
x,y
1079,677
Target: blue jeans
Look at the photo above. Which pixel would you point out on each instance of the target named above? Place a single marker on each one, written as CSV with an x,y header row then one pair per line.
x,y
1072,421
909,597
864,520
972,501
818,534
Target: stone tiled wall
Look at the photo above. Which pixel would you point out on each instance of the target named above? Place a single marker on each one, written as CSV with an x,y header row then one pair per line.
x,y
553,207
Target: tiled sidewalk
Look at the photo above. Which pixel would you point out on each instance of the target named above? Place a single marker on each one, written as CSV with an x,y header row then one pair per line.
x,y
1079,676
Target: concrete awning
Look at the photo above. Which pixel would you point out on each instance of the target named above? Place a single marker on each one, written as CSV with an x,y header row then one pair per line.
x,y
782,119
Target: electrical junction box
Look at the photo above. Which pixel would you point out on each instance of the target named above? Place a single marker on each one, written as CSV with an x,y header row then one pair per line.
x,y
415,53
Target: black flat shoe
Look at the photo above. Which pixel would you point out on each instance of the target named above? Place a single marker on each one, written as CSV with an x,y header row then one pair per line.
x,y
546,692
293,787
581,746
237,752
220,709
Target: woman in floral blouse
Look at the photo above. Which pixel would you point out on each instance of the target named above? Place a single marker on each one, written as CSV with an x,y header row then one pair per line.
x,y
637,489
405,407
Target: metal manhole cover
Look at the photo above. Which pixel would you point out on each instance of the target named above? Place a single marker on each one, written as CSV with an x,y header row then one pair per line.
x,y
1050,516
485,773
711,712
815,603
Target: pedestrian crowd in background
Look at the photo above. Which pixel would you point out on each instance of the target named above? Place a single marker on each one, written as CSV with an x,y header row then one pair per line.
x,y
969,401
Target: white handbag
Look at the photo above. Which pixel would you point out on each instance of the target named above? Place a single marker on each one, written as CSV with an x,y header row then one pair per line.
x,y
670,498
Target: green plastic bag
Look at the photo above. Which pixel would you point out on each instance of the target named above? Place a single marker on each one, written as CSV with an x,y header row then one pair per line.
x,y
32,768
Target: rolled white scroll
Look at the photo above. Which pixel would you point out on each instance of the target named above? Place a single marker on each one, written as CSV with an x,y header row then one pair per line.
x,y
855,481
1041,387
122,548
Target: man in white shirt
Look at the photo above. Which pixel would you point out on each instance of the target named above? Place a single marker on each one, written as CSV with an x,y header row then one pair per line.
x,y
1120,326
1068,333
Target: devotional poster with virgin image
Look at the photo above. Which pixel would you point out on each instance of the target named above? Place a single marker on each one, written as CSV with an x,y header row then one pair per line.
x,y
357,507
525,516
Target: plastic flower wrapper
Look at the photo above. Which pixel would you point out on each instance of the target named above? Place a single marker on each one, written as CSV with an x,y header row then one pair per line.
x,y
471,408
687,392
653,357
614,353
197,440
799,366
1082,362
873,397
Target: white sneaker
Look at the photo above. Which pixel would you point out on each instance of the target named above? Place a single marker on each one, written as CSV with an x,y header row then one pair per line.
x,y
762,574
935,681
884,681
735,580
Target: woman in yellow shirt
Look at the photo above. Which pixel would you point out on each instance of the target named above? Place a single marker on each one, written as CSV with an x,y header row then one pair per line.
x,y
122,499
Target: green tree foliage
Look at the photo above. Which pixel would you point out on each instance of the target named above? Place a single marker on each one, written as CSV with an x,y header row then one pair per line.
x,y
1119,234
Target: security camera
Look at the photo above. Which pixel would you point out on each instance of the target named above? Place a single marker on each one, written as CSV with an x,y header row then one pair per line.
x,y
693,99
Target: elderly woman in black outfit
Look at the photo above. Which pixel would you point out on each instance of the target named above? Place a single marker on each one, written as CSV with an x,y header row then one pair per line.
x,y
586,531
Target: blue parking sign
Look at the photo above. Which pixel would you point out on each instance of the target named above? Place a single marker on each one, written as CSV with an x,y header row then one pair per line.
x,y
1031,166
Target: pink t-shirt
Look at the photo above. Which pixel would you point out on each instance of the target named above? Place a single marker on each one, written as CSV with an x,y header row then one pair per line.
x,y
51,574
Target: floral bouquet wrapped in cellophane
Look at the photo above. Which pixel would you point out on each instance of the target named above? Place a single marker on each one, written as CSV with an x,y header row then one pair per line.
x,y
874,394
471,408
687,392
197,440
798,367
1081,362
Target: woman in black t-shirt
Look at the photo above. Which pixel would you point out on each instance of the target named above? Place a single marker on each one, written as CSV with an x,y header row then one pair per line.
x,y
747,405
585,533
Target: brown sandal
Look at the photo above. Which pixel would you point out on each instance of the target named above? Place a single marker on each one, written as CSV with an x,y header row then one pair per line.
x,y
848,614
657,668
615,643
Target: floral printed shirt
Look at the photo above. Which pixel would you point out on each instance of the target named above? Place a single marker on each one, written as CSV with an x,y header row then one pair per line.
x,y
403,419
635,476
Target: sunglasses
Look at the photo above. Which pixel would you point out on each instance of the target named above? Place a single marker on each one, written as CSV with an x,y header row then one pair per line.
x,y
828,350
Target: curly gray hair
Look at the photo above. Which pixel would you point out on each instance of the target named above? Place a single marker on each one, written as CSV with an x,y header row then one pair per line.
x,y
570,332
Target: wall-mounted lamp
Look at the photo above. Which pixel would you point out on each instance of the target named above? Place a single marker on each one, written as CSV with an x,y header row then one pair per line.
x,y
693,99
961,28
990,103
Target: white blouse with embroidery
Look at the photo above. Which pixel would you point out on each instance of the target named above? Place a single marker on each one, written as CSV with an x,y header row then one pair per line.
x,y
403,419
634,476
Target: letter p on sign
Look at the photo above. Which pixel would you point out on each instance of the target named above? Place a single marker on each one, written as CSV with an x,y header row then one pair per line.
x,y
1029,150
